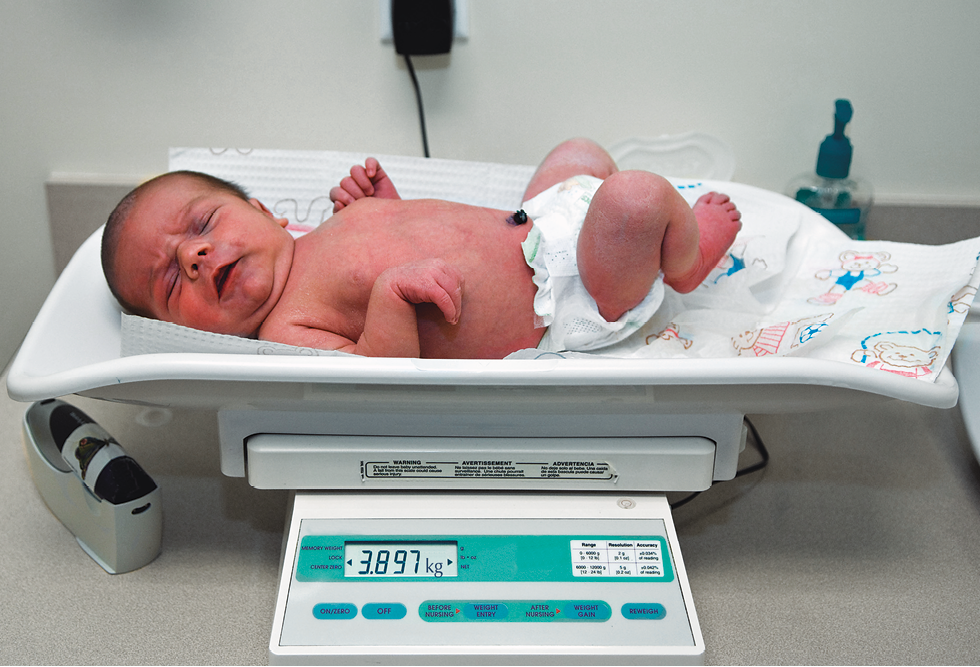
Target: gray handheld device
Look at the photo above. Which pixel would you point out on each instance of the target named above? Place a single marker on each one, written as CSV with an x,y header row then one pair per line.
x,y
100,494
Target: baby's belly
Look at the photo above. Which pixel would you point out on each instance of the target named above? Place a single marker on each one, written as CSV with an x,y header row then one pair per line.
x,y
497,319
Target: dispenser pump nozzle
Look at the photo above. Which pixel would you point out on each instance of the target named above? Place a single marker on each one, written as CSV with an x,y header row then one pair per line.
x,y
834,159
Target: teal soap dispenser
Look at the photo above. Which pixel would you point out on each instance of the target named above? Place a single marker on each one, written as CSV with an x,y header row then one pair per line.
x,y
843,200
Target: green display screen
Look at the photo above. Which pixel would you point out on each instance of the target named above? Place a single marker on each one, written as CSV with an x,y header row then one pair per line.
x,y
483,558
400,559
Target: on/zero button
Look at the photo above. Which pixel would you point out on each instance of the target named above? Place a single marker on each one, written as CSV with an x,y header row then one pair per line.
x,y
334,611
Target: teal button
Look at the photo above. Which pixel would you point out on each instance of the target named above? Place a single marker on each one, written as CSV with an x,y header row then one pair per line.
x,y
381,610
485,611
586,610
644,611
515,611
334,611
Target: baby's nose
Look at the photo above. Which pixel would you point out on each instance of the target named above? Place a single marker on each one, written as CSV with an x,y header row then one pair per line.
x,y
193,257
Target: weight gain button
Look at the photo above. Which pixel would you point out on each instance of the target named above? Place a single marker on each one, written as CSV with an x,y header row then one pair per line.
x,y
644,611
378,610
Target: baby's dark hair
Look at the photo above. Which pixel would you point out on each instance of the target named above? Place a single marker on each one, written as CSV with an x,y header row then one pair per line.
x,y
119,215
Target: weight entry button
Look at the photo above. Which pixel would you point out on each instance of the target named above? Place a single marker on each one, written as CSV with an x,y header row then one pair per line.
x,y
389,610
485,611
645,611
334,611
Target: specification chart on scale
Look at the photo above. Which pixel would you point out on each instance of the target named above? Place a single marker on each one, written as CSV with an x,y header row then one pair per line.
x,y
617,558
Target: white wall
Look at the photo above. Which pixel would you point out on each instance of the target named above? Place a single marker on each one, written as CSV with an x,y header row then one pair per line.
x,y
105,86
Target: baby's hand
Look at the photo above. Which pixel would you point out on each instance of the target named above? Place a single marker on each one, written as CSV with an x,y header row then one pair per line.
x,y
391,327
367,181
433,281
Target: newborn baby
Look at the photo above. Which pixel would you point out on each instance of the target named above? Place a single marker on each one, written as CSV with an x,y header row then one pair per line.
x,y
409,278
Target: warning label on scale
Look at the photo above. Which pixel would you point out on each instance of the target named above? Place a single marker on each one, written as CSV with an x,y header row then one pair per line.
x,y
487,469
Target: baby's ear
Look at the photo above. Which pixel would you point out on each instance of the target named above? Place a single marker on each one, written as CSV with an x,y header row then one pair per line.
x,y
282,222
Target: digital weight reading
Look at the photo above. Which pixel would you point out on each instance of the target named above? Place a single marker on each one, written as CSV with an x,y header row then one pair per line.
x,y
400,559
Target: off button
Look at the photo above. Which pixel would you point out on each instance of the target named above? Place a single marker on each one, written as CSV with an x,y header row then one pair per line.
x,y
390,610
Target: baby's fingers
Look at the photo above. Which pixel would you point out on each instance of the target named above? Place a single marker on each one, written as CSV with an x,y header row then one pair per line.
x,y
450,302
340,198
359,175
353,188
432,282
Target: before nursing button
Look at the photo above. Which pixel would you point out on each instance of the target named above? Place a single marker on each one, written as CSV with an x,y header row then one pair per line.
x,y
645,611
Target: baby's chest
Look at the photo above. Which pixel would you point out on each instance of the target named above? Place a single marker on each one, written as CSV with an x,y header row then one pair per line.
x,y
325,298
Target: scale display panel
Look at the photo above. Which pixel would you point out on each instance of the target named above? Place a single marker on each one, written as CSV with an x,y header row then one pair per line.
x,y
452,587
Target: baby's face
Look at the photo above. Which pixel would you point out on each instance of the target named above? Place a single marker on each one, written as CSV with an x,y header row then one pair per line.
x,y
203,258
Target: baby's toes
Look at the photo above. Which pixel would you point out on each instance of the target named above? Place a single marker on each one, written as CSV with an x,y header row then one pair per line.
x,y
713,199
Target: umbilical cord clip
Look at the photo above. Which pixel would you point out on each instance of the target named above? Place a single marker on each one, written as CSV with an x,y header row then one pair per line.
x,y
519,218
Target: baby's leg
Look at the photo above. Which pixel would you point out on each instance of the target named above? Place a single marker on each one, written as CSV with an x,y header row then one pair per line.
x,y
637,225
575,157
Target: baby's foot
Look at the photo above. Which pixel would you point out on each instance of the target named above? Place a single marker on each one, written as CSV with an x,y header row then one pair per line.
x,y
718,223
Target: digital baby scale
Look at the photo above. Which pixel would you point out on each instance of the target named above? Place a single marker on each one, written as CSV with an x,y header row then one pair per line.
x,y
472,511
475,531
456,578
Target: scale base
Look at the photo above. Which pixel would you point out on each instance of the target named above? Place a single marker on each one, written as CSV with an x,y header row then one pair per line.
x,y
482,578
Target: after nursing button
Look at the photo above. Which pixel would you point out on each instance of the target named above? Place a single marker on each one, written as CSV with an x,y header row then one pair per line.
x,y
646,611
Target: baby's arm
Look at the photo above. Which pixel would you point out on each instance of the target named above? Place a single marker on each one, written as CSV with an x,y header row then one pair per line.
x,y
390,322
367,181
391,327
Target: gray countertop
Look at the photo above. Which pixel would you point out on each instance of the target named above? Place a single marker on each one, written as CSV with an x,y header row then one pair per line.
x,y
859,543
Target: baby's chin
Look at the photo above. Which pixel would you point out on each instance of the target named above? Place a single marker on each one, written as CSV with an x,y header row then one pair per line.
x,y
236,329
248,319
242,333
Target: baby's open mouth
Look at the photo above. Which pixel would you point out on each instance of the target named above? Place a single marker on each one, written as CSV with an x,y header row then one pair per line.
x,y
221,276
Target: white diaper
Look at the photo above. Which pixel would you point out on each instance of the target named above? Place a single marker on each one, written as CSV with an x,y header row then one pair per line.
x,y
562,303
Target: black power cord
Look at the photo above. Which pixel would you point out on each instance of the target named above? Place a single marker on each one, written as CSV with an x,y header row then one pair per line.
x,y
418,97
755,467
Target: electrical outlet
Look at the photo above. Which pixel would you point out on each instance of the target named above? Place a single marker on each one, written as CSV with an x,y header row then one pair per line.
x,y
461,27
